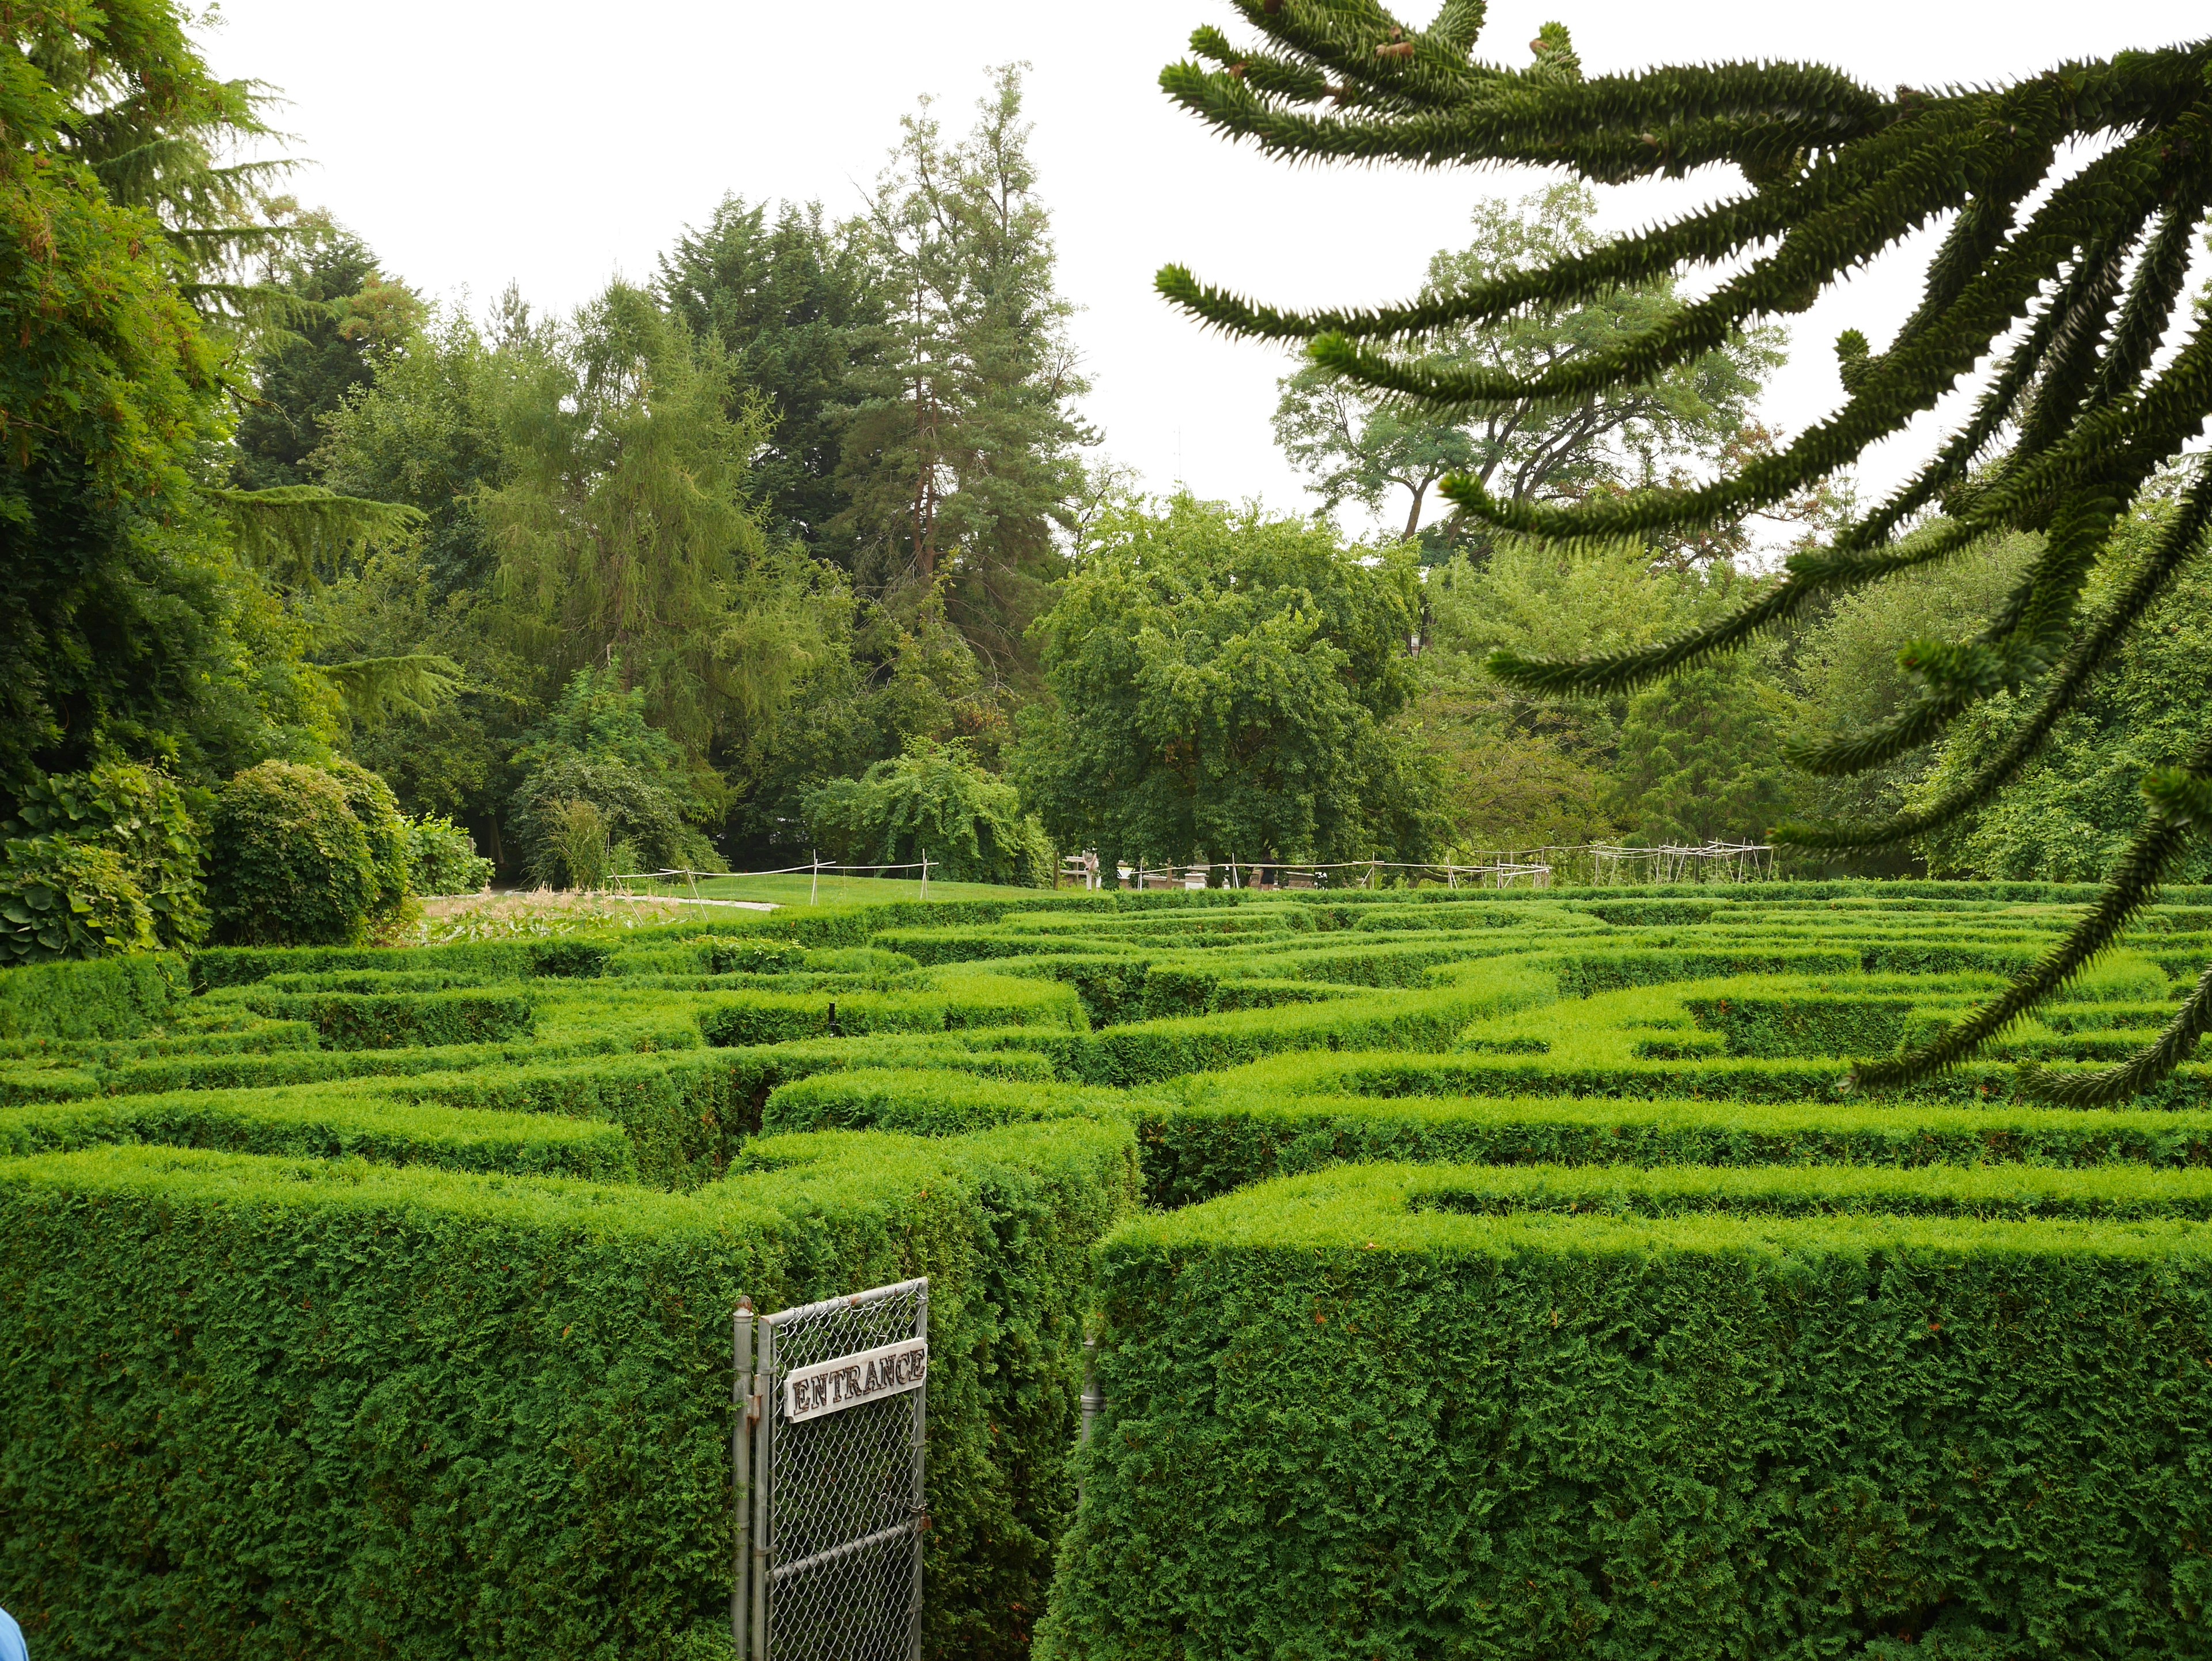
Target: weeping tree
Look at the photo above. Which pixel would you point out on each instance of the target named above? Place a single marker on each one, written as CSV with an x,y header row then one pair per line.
x,y
2068,282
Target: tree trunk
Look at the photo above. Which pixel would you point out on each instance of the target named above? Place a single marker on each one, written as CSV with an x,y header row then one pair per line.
x,y
1413,515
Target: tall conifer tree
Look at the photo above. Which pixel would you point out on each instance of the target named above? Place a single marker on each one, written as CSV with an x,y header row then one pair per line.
x,y
2070,283
961,456
796,303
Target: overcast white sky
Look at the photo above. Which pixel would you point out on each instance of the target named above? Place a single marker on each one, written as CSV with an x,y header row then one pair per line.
x,y
556,144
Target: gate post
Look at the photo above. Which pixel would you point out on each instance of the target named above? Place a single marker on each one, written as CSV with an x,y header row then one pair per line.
x,y
741,1447
921,1438
764,1451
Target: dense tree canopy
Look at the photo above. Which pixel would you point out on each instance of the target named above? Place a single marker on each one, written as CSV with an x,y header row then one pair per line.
x,y
799,304
125,626
350,315
2077,806
1225,684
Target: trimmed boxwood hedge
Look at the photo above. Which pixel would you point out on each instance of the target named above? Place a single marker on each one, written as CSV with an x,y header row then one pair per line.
x,y
1339,1426
296,1317
368,1020
105,998
267,1407
320,1123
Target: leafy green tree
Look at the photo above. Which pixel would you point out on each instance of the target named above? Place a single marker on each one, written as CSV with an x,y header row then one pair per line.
x,y
1843,667
933,802
884,680
596,748
2068,282
1524,770
351,315
125,625
425,432
960,459
455,757
624,526
1355,443
796,303
1223,687
1700,757
119,89
2079,803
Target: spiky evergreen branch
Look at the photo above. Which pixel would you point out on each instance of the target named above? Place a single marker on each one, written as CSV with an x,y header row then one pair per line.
x,y
2072,303
299,534
2180,801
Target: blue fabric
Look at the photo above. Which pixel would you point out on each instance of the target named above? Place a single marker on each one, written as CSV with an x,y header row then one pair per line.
x,y
11,1639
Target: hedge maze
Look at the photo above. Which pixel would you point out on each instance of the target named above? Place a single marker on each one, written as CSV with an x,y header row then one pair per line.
x,y
1511,1275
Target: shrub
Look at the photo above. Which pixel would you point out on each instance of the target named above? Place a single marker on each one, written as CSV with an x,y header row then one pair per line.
x,y
576,845
934,802
63,899
442,857
145,817
743,957
386,827
597,748
289,864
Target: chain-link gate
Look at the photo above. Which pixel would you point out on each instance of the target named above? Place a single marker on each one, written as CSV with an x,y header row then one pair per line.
x,y
828,1454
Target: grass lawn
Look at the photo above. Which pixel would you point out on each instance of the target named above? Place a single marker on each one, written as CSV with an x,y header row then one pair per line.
x,y
835,889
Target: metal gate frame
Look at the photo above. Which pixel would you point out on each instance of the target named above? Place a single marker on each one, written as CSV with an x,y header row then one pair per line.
x,y
764,1440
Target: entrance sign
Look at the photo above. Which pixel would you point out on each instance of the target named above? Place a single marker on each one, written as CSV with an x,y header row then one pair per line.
x,y
833,1386
826,1450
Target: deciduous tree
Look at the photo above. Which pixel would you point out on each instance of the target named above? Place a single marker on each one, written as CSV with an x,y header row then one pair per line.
x,y
1356,443
1224,686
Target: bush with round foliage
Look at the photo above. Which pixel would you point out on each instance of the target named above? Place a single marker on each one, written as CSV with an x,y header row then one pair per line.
x,y
288,863
442,857
934,802
385,827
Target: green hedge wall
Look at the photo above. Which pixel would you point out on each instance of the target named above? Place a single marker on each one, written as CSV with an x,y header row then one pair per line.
x,y
267,1408
972,1001
1147,1052
105,998
926,1103
1337,1425
356,1020
319,1122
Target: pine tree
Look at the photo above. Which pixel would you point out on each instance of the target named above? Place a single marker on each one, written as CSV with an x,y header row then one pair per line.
x,y
795,302
960,458
2068,282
